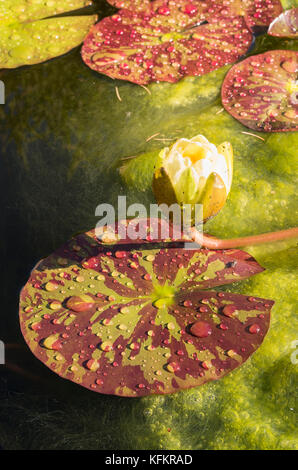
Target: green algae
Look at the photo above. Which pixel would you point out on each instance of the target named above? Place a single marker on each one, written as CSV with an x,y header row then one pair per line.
x,y
64,133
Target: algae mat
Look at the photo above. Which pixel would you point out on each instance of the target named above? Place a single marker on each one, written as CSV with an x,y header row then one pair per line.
x,y
63,135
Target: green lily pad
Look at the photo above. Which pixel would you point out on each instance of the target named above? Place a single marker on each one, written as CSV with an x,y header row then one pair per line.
x,y
139,321
28,39
261,92
285,25
23,11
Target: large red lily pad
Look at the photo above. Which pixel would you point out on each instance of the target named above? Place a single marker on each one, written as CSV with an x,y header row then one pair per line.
x,y
258,14
140,5
166,42
139,321
286,25
261,92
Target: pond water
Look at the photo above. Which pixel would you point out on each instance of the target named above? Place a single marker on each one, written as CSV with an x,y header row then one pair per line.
x,y
64,134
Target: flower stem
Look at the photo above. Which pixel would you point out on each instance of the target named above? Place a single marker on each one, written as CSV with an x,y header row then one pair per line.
x,y
219,244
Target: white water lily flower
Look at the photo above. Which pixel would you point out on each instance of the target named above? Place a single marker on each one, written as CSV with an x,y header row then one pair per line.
x,y
195,171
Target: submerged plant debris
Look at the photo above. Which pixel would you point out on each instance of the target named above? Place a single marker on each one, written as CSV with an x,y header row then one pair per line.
x,y
261,92
137,320
167,40
27,38
285,25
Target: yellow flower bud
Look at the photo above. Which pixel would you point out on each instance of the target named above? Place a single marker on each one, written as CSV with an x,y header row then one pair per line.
x,y
195,172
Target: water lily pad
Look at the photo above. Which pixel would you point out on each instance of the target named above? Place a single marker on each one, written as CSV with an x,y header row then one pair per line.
x,y
140,231
28,39
286,25
261,92
131,4
23,11
258,14
136,321
167,42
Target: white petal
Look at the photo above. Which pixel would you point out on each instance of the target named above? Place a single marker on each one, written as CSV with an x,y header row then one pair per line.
x,y
200,138
173,165
203,167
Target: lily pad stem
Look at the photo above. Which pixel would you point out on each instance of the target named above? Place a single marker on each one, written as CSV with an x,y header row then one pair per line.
x,y
219,244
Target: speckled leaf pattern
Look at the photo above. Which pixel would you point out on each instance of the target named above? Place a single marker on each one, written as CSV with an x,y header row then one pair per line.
x,y
166,40
131,4
261,92
165,44
136,321
286,25
26,38
258,14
